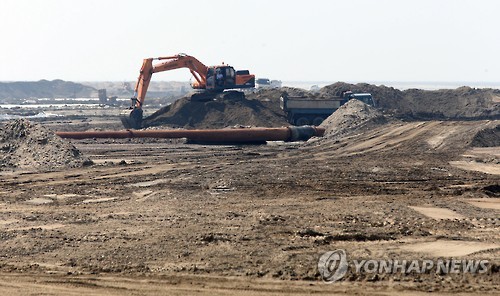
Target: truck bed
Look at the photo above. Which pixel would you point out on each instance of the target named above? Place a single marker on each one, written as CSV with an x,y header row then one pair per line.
x,y
308,103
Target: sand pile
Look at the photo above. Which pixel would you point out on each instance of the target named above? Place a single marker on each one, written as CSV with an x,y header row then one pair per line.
x,y
28,145
228,109
350,117
461,103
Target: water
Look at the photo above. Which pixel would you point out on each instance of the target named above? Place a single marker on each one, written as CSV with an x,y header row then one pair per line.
x,y
38,115
38,106
45,108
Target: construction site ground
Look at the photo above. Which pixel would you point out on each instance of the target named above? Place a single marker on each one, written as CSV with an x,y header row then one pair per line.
x,y
165,217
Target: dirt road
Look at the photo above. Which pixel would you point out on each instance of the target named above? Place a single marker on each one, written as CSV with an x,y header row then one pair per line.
x,y
153,217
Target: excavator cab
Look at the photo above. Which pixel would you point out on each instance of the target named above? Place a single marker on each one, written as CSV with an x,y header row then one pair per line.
x,y
220,78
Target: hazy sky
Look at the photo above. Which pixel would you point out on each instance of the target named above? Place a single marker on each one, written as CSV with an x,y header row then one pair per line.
x,y
356,40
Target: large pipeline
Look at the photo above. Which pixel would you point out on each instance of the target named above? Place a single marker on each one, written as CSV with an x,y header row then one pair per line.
x,y
237,136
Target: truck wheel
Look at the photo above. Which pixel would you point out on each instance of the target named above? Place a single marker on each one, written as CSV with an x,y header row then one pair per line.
x,y
318,120
302,121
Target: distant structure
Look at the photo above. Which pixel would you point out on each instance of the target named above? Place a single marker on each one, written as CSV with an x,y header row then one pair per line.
x,y
267,83
104,99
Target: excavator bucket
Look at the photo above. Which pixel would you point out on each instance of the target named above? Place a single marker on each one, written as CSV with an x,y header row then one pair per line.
x,y
132,119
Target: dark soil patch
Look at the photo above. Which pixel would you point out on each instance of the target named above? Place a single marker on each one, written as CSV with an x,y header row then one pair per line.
x,y
487,138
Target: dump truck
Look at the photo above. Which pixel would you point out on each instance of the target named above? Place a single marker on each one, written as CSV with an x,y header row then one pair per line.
x,y
307,111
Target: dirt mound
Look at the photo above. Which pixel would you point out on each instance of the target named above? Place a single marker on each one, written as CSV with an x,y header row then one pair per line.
x,y
28,145
349,117
384,97
228,109
460,103
274,94
487,138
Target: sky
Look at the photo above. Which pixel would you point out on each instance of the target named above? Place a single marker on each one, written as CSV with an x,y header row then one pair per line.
x,y
314,40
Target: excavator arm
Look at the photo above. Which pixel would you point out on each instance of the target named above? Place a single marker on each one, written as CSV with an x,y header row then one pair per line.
x,y
197,68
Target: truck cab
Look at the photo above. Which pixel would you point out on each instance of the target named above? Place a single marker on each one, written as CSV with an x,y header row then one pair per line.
x,y
363,97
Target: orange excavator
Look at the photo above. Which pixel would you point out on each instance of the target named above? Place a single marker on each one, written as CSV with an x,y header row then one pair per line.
x,y
213,79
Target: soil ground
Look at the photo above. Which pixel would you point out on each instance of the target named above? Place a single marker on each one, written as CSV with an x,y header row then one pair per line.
x,y
165,217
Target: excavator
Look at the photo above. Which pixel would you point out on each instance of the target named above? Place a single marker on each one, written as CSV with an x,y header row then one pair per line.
x,y
212,80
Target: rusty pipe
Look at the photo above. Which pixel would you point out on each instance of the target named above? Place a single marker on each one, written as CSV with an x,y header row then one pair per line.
x,y
244,135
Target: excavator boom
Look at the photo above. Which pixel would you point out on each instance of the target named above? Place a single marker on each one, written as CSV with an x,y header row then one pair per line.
x,y
197,68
